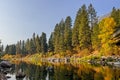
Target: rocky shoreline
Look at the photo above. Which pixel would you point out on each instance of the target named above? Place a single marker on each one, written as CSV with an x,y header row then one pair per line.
x,y
110,60
103,60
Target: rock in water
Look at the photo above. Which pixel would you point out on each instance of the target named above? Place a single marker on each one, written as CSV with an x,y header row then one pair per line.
x,y
2,77
20,75
5,64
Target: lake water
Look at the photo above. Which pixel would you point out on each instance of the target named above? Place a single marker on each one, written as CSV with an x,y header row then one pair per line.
x,y
64,72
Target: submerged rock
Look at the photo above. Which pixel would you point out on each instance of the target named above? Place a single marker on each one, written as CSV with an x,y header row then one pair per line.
x,y
8,77
20,75
2,77
5,64
50,69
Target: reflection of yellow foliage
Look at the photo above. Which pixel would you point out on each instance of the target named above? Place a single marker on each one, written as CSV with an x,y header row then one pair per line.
x,y
109,75
7,57
33,59
100,72
16,61
30,59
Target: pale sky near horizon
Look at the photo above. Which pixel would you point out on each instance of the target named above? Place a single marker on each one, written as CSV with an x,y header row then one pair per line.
x,y
19,19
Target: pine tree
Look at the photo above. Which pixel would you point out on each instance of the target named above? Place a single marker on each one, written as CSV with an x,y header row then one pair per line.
x,y
27,46
93,21
68,34
61,38
95,39
84,29
38,44
31,46
51,42
18,47
7,49
43,43
116,15
2,48
34,44
11,49
56,38
75,30
92,16
23,48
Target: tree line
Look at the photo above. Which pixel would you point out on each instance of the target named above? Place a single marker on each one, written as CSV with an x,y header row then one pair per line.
x,y
87,32
36,44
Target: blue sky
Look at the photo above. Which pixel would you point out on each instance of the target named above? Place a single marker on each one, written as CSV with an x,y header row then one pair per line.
x,y
19,19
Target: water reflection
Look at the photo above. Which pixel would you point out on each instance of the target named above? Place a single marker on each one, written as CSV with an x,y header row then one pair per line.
x,y
63,72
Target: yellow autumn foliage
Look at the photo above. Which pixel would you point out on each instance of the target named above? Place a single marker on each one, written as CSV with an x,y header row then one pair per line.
x,y
107,28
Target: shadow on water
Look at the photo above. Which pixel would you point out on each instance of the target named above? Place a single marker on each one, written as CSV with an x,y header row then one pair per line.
x,y
23,71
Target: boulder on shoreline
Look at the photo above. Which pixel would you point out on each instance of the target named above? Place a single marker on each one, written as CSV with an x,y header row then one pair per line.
x,y
109,60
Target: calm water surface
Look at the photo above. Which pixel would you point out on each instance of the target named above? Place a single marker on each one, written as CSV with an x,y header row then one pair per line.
x,y
64,72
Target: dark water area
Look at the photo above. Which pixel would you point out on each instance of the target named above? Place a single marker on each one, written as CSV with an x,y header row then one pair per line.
x,y
62,72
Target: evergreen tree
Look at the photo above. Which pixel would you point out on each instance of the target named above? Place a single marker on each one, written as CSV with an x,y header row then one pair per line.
x,y
84,29
43,43
27,46
38,44
68,34
61,38
92,16
10,49
56,38
34,43
32,47
95,39
18,47
51,42
13,49
23,48
75,30
6,49
93,21
2,48
116,15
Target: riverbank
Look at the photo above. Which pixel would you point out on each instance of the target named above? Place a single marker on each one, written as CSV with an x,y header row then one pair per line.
x,y
38,59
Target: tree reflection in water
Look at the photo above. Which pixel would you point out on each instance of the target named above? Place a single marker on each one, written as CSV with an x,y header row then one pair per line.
x,y
66,72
